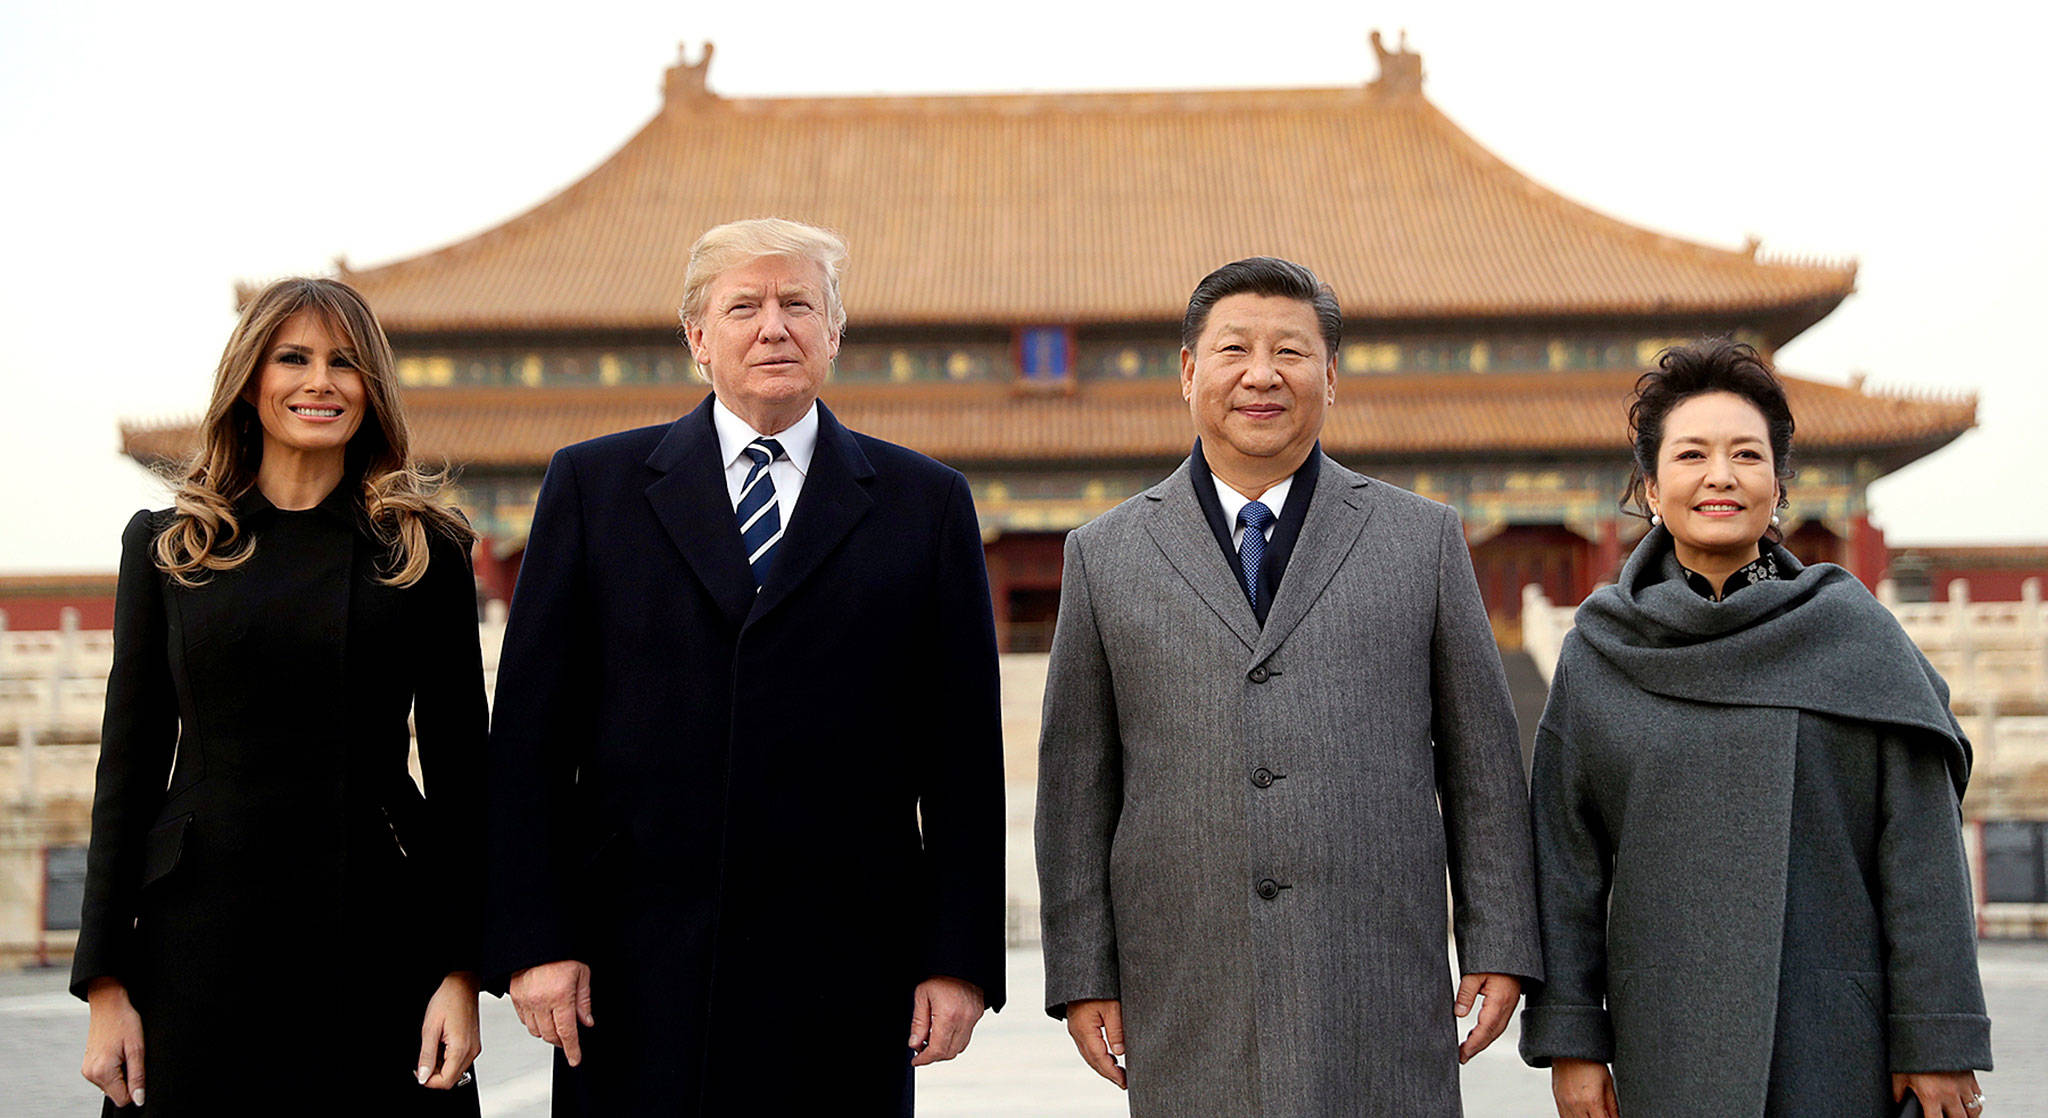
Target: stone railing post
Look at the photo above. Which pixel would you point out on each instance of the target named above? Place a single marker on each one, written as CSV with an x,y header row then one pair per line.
x,y
1963,639
1542,637
2034,626
63,667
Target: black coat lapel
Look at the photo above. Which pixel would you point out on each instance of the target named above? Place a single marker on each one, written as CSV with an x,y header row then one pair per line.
x,y
834,499
1336,518
1182,532
691,502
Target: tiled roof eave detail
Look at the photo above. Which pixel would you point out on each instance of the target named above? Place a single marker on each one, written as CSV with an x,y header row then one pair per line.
x,y
1475,417
1081,208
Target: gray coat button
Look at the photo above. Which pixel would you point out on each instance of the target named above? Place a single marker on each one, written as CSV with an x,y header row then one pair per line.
x,y
1262,777
1260,674
1268,889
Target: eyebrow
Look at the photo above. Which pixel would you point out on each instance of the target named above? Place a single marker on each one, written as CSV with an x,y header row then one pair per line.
x,y
784,292
294,347
1695,440
1286,333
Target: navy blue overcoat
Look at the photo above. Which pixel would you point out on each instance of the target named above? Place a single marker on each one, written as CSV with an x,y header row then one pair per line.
x,y
760,816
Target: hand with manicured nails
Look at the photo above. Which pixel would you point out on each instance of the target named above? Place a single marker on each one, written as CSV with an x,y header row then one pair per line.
x,y
1499,993
1583,1089
113,1043
1943,1094
449,1038
1097,1026
551,999
942,1019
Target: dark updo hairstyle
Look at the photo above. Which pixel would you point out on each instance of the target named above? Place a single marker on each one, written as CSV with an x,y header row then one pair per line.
x,y
1685,371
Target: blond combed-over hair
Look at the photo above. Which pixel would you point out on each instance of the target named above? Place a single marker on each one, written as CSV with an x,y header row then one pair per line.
x,y
397,498
725,247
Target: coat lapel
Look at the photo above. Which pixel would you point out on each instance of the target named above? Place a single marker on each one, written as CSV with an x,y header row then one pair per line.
x,y
1182,533
834,499
1336,518
691,502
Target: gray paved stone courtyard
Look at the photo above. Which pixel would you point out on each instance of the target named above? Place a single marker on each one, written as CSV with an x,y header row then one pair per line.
x,y
1021,1063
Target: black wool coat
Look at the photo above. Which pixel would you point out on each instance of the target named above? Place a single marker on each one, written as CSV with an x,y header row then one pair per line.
x,y
263,869
759,817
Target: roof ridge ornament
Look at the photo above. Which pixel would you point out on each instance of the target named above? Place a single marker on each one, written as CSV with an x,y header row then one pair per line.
x,y
685,83
1400,68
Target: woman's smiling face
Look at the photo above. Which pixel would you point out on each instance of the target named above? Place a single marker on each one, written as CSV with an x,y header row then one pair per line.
x,y
308,392
1716,482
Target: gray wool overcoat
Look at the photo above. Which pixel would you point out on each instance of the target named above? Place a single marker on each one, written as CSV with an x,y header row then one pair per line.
x,y
1754,894
1244,831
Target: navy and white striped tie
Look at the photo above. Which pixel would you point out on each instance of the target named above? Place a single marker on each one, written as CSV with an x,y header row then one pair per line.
x,y
1251,549
759,515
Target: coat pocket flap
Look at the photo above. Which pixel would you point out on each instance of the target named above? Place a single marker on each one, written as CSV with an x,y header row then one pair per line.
x,y
163,847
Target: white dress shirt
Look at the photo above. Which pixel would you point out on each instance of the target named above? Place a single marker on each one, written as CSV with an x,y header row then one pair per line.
x,y
798,441
1274,498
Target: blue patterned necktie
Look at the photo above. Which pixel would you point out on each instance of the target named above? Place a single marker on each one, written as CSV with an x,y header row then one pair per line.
x,y
759,515
1251,549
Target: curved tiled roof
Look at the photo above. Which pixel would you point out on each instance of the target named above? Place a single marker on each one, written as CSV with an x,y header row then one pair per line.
x,y
1413,416
1084,208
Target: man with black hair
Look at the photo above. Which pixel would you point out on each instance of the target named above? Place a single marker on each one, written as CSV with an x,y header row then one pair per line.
x,y
1274,718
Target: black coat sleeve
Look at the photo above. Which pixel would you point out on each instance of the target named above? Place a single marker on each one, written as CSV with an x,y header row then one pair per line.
x,y
450,716
546,710
138,740
961,795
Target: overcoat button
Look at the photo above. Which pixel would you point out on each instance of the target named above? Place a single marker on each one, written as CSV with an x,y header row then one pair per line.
x,y
1268,889
1260,674
1262,777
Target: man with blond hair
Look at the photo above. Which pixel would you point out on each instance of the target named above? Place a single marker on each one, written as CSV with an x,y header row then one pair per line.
x,y
746,771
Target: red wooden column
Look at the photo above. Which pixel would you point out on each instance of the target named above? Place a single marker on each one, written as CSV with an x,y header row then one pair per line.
x,y
1607,553
495,576
1867,555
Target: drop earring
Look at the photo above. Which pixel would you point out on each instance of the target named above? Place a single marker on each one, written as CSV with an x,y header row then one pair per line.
x,y
1655,520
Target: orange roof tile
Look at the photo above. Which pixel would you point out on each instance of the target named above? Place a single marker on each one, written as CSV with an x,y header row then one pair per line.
x,y
1378,417
1084,208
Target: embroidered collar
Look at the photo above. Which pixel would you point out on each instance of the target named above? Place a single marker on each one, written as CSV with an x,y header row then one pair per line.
x,y
1763,569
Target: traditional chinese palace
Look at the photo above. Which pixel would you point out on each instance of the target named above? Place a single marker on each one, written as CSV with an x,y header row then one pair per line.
x,y
1019,267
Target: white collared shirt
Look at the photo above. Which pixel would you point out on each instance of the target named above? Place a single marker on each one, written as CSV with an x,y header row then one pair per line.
x,y
1274,498
798,441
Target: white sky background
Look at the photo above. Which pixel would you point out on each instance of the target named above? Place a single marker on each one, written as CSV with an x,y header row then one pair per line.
x,y
151,154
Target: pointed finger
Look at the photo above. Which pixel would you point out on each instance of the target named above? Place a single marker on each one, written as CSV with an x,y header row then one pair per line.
x,y
921,1020
430,1051
565,1027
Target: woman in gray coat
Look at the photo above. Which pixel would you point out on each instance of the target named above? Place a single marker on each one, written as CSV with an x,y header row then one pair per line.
x,y
1752,887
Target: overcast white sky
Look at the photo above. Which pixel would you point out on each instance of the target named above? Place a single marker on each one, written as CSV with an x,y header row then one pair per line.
x,y
155,153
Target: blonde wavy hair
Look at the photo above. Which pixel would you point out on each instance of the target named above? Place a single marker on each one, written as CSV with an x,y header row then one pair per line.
x,y
396,497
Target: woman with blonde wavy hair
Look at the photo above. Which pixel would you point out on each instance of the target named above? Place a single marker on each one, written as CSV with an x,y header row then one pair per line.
x,y
276,917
